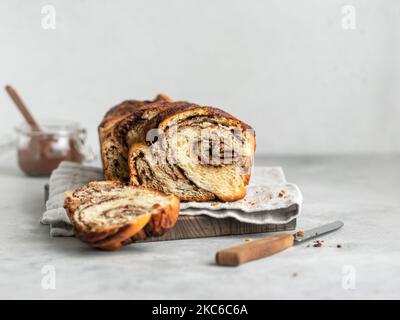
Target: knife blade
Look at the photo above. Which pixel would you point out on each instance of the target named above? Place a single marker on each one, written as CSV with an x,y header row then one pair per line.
x,y
316,232
268,246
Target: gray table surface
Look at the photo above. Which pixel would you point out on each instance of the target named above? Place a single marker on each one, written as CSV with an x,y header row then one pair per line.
x,y
363,191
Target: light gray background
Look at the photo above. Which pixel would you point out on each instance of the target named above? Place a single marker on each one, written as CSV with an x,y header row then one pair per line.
x,y
288,68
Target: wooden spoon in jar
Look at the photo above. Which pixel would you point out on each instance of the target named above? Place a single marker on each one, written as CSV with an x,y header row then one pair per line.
x,y
23,108
36,140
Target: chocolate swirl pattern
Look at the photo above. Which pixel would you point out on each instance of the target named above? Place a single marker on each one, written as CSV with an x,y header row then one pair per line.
x,y
109,214
197,153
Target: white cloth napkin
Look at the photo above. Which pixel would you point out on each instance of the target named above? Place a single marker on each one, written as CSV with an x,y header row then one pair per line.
x,y
265,203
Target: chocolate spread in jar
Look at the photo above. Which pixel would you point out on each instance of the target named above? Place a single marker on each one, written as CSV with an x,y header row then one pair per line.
x,y
43,153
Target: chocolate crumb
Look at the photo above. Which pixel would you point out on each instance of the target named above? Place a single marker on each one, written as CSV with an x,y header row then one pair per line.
x,y
295,274
300,233
339,246
282,193
317,243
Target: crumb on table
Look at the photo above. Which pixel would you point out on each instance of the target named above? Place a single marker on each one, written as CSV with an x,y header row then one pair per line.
x,y
318,243
282,193
300,234
248,239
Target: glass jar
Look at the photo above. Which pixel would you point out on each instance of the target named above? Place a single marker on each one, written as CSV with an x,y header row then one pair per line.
x,y
40,152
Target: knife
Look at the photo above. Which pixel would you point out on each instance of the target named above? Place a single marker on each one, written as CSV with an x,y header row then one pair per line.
x,y
268,246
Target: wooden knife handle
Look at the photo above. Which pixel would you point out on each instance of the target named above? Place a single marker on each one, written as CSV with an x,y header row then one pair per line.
x,y
254,250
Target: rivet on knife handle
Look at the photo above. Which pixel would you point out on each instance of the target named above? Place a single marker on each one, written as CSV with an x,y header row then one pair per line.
x,y
253,250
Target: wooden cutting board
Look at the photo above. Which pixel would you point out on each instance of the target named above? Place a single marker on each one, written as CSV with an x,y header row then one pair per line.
x,y
190,227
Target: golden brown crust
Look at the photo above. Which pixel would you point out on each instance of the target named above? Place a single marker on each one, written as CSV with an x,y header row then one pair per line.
x,y
107,237
164,219
111,130
116,240
160,222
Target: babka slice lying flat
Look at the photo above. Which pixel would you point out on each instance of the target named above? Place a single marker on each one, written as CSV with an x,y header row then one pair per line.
x,y
197,153
108,214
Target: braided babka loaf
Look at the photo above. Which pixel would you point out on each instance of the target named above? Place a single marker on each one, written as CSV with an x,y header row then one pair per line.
x,y
196,153
116,135
109,214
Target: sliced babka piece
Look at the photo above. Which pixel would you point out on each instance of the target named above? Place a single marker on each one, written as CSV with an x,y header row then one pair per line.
x,y
109,214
